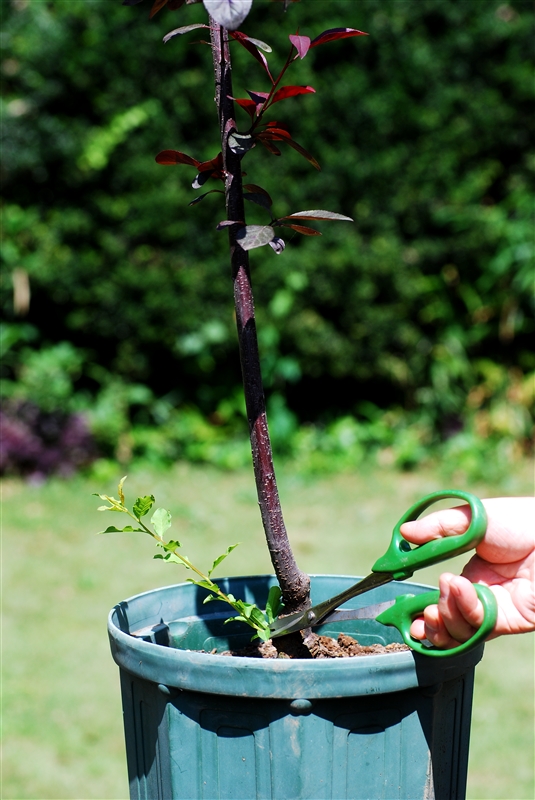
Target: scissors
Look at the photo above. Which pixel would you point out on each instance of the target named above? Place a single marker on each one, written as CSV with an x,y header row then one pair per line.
x,y
399,562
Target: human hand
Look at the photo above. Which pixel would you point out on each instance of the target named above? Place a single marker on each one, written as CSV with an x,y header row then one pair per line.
x,y
504,561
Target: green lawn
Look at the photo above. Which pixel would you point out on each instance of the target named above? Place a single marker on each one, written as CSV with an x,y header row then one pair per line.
x,y
62,727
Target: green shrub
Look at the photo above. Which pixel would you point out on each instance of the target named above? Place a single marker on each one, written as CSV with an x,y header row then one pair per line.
x,y
399,313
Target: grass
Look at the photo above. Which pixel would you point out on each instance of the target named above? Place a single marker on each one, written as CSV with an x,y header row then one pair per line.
x,y
61,712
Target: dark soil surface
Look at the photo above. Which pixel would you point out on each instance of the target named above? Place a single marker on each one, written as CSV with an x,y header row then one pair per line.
x,y
314,646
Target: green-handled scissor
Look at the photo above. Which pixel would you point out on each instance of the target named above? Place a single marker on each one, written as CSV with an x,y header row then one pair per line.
x,y
399,562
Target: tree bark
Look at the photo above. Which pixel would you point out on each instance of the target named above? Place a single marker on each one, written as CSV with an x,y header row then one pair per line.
x,y
295,585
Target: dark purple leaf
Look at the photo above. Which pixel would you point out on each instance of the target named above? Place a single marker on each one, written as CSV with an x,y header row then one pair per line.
x,y
335,33
253,187
304,229
200,179
291,91
258,97
240,143
279,134
271,147
171,157
156,6
252,45
259,199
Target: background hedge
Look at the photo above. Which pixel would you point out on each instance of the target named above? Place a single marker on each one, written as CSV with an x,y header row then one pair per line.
x,y
415,319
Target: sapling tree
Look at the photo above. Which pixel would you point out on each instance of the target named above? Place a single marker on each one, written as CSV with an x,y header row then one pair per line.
x,y
237,141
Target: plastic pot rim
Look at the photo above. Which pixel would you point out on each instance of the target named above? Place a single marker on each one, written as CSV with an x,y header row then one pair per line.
x,y
187,670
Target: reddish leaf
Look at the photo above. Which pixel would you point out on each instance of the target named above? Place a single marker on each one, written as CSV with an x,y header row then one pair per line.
x,y
247,105
304,153
240,37
215,164
183,29
209,169
271,147
274,124
252,45
274,133
157,5
302,229
335,33
301,44
279,134
172,5
169,157
291,91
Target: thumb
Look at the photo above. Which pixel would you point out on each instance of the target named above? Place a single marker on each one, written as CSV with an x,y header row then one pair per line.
x,y
448,522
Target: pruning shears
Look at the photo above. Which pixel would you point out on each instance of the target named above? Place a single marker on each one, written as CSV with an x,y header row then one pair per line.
x,y
399,562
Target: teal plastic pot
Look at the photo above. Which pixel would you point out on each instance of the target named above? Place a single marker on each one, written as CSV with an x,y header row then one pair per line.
x,y
202,726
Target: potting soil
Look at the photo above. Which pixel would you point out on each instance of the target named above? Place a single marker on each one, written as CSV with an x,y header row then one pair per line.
x,y
314,646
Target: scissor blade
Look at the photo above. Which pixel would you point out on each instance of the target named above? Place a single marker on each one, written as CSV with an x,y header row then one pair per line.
x,y
368,612
371,581
292,623
316,614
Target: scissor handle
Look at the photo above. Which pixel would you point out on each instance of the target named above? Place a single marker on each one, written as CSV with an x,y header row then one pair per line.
x,y
407,607
402,560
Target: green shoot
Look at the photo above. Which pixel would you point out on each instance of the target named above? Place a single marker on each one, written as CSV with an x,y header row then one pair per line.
x,y
160,523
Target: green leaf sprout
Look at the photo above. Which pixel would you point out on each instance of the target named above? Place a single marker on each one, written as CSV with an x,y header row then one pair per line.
x,y
160,522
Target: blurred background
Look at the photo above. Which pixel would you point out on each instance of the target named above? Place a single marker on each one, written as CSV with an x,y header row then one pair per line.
x,y
402,337
397,351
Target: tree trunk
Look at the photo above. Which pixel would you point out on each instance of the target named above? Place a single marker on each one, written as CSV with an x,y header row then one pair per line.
x,y
295,585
